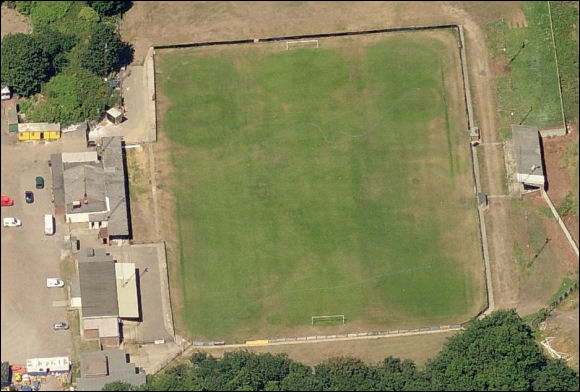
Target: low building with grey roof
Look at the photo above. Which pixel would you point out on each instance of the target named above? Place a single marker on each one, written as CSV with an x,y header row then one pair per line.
x,y
528,154
91,187
99,368
99,305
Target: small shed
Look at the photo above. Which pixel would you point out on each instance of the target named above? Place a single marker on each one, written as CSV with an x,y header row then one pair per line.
x,y
38,131
12,118
474,135
115,115
6,93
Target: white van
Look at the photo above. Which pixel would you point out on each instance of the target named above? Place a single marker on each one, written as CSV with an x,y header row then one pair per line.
x,y
48,224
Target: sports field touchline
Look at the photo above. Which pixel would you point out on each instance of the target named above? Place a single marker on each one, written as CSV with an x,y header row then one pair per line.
x,y
280,224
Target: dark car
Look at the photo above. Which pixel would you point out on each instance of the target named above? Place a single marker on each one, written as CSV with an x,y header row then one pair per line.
x,y
60,325
29,196
39,182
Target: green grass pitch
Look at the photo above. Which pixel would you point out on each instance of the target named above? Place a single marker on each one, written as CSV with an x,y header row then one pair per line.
x,y
321,181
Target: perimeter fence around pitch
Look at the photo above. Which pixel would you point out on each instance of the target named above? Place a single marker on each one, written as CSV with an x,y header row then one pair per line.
x,y
469,123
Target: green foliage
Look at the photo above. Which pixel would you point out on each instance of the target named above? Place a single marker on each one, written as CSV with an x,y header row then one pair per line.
x,y
109,8
55,45
72,97
555,376
24,64
106,52
565,23
568,206
117,386
89,15
566,286
496,353
23,7
46,12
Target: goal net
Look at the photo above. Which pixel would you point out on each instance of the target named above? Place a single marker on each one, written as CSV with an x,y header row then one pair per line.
x,y
334,317
311,43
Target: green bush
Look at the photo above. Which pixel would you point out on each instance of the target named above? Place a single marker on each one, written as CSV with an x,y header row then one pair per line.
x,y
72,97
89,15
45,12
24,64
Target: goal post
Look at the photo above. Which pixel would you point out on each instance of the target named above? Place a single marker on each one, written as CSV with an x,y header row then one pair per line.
x,y
334,317
309,43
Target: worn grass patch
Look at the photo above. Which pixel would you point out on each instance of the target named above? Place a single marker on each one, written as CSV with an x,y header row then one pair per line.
x,y
318,182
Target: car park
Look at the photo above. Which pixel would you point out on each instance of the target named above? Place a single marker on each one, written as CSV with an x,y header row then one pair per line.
x,y
39,182
7,201
59,325
11,222
54,282
29,197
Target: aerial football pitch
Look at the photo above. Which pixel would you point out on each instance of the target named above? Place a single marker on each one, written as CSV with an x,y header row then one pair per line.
x,y
321,181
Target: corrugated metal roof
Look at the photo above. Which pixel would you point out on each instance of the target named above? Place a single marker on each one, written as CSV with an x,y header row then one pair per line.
x,y
38,127
127,290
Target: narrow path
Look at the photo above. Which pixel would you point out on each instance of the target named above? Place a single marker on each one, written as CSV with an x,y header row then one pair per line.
x,y
560,222
154,190
303,340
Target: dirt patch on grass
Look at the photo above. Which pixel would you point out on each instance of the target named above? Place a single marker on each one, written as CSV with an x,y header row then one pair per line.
x,y
500,67
13,22
141,198
166,22
559,176
563,325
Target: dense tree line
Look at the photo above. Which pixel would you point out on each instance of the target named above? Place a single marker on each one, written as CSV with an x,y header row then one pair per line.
x,y
74,45
496,353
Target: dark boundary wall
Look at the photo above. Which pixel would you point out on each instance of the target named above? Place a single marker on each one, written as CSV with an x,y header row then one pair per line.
x,y
468,115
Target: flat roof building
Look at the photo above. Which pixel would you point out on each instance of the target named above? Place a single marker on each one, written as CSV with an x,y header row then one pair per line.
x,y
528,154
99,368
99,306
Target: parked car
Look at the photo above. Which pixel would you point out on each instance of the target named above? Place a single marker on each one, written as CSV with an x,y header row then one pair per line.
x,y
7,201
39,182
12,222
54,282
29,196
59,325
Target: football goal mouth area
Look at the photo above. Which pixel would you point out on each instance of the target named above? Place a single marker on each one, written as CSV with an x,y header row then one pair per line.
x,y
322,182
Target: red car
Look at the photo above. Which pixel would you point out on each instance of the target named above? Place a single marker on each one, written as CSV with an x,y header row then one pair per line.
x,y
6,201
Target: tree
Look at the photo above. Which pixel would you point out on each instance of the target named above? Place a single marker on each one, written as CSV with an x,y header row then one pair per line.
x,y
106,52
24,64
89,15
109,8
72,97
495,353
55,45
556,376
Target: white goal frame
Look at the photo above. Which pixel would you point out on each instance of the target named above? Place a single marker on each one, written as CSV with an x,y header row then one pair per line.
x,y
328,318
302,43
